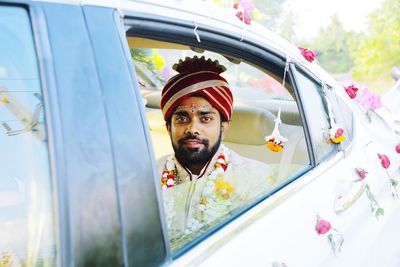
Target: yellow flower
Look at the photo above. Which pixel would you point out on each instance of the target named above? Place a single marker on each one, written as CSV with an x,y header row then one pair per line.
x,y
223,189
158,60
339,139
4,100
274,147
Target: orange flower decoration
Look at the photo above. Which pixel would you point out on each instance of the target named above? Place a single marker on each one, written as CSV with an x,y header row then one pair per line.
x,y
274,146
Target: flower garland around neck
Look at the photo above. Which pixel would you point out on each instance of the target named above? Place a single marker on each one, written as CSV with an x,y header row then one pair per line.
x,y
169,177
214,188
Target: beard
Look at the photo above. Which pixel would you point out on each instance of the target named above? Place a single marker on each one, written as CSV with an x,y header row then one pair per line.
x,y
189,156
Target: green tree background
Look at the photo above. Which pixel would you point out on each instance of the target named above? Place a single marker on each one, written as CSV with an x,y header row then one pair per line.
x,y
364,57
378,50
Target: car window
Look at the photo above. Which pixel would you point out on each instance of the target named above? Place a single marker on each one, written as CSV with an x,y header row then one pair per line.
x,y
316,112
195,205
343,116
26,213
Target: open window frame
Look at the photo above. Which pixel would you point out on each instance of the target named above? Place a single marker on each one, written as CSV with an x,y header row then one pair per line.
x,y
262,57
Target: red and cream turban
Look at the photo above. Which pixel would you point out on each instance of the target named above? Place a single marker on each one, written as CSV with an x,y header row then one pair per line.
x,y
197,76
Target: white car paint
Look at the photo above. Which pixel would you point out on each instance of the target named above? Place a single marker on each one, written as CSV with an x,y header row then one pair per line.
x,y
281,227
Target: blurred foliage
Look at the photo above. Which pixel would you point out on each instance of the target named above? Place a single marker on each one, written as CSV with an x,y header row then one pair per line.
x,y
272,12
368,56
378,50
276,17
332,46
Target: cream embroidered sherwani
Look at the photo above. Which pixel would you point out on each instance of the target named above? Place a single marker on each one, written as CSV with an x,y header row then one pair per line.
x,y
243,182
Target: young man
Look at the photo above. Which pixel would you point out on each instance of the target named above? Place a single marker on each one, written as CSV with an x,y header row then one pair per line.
x,y
203,182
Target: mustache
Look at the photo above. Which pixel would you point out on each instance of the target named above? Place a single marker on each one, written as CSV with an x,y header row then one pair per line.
x,y
193,137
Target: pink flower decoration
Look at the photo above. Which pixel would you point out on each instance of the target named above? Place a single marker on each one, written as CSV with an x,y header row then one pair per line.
x,y
246,19
351,90
247,5
339,132
322,226
384,160
361,173
309,55
398,148
368,99
243,13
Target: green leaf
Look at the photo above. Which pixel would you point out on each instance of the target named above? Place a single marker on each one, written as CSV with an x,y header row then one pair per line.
x,y
379,212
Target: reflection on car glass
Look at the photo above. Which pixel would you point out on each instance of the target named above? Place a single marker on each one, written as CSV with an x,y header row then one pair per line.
x,y
26,205
28,119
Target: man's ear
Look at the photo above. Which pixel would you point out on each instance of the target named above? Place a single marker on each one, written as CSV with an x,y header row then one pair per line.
x,y
224,128
168,126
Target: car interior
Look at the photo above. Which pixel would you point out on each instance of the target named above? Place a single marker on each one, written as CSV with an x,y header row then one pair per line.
x,y
264,102
258,95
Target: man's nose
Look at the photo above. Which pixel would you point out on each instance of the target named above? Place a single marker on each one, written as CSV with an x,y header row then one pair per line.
x,y
193,128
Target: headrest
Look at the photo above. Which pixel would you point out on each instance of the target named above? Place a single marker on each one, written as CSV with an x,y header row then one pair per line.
x,y
153,99
250,125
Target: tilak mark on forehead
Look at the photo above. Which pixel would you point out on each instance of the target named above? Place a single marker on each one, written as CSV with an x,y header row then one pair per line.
x,y
193,108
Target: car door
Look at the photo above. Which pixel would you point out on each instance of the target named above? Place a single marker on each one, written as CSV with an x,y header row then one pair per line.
x,y
266,232
75,154
284,225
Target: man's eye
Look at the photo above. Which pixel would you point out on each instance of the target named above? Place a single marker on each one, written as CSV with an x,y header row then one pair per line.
x,y
206,119
181,119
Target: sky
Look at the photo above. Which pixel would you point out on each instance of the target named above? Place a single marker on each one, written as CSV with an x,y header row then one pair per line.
x,y
312,14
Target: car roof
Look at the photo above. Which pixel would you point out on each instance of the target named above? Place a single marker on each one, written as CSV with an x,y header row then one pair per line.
x,y
205,13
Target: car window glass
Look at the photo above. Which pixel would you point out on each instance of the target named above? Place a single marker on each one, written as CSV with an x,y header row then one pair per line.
x,y
316,112
194,206
26,217
343,115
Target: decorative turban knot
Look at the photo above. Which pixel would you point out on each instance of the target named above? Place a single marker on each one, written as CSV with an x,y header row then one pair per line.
x,y
197,76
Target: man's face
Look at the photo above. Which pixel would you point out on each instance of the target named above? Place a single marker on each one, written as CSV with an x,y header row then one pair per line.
x,y
196,131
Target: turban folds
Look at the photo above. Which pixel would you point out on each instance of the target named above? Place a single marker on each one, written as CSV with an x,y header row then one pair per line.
x,y
197,76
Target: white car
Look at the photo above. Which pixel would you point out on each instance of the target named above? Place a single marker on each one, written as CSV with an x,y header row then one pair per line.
x,y
390,100
80,88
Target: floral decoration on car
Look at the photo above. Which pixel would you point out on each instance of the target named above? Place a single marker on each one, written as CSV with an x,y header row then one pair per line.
x,y
385,162
351,90
308,54
398,148
369,101
366,99
335,238
376,209
245,10
337,134
276,141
